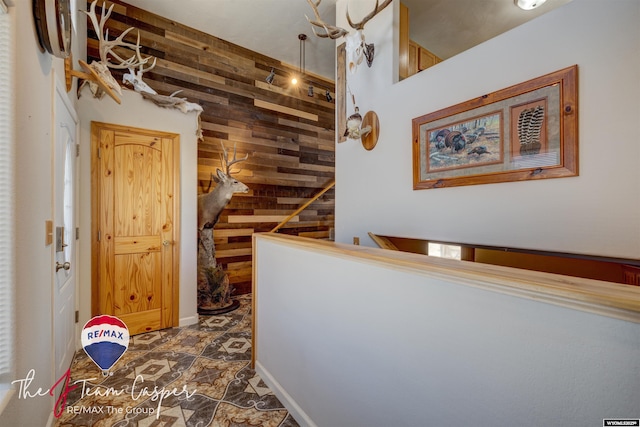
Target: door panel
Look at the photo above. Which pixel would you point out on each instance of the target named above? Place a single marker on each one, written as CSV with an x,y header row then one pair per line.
x,y
136,209
64,207
137,180
138,282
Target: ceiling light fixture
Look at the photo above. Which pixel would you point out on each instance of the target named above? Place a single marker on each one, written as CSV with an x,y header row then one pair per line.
x,y
302,38
271,76
528,4
310,92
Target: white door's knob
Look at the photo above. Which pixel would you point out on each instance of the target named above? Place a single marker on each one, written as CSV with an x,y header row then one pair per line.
x,y
65,266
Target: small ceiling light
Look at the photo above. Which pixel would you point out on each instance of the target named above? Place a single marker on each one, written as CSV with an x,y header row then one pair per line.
x,y
302,38
271,76
528,4
328,95
310,92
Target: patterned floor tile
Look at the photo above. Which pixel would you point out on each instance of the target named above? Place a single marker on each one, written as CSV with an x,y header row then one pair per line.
x,y
247,417
196,376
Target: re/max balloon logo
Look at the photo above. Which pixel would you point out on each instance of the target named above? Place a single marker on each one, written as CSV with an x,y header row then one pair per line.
x,y
105,339
105,333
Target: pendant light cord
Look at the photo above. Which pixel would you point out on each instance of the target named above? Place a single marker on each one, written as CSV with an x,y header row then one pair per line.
x,y
302,38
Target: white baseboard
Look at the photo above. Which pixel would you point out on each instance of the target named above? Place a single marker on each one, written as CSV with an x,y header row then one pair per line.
x,y
292,406
187,321
52,420
5,397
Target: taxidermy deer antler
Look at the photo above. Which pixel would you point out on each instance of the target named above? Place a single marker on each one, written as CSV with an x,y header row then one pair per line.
x,y
134,78
330,31
356,47
109,58
106,49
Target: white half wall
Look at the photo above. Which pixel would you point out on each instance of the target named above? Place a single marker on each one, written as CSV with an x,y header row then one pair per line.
x,y
344,340
137,112
596,213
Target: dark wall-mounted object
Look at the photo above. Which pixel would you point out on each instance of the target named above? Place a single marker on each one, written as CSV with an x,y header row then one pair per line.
x,y
52,19
370,140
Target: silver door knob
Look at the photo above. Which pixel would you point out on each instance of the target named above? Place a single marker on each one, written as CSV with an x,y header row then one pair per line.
x,y
166,243
65,266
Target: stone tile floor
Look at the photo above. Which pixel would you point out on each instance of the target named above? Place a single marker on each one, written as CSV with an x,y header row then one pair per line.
x,y
195,376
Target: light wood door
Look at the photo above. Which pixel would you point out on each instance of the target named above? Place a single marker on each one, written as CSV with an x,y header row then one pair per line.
x,y
135,213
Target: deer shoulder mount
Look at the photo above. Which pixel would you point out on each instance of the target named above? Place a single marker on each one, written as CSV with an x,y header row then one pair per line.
x,y
356,48
211,204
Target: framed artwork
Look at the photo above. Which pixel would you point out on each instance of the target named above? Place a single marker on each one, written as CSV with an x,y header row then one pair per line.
x,y
526,131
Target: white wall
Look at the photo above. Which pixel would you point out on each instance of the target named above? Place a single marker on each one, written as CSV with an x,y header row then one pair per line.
x,y
363,343
137,112
597,212
36,73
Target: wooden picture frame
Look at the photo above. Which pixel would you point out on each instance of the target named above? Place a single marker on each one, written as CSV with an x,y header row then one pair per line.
x,y
526,131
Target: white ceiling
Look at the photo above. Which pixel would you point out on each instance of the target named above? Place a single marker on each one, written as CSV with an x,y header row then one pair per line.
x,y
271,27
449,27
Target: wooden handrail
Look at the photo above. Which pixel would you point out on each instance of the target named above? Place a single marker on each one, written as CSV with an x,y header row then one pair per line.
x,y
593,296
383,242
303,207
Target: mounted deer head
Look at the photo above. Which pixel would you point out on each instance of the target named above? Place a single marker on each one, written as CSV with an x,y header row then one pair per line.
x,y
356,47
211,204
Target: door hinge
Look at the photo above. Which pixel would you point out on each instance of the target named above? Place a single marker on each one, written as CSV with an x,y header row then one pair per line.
x,y
77,316
98,235
99,153
77,150
77,233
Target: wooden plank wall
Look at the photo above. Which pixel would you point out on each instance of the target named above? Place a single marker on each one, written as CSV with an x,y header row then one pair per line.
x,y
290,137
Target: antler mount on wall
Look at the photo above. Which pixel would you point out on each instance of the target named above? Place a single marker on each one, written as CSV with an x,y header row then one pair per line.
x,y
89,74
97,73
356,48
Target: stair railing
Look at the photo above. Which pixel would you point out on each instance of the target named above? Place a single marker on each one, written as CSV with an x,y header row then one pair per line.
x,y
304,206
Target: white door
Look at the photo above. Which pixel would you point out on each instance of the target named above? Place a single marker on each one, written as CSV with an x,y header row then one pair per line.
x,y
64,232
